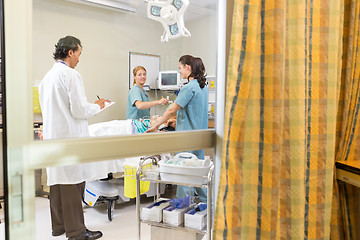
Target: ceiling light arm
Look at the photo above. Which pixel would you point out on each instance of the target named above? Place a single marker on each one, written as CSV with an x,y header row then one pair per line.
x,y
170,14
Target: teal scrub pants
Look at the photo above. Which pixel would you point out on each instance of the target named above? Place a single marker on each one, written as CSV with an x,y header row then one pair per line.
x,y
184,191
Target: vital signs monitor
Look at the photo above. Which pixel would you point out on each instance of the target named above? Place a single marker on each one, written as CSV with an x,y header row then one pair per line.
x,y
169,80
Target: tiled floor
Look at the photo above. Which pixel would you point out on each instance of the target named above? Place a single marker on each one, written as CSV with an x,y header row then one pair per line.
x,y
123,225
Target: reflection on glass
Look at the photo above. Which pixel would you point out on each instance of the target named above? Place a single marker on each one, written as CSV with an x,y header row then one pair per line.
x,y
41,187
191,104
101,72
116,184
2,217
138,105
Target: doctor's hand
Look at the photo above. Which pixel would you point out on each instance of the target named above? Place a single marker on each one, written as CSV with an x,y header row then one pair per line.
x,y
101,103
163,101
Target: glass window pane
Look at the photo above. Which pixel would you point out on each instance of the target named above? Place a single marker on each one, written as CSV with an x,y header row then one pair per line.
x,y
105,65
112,198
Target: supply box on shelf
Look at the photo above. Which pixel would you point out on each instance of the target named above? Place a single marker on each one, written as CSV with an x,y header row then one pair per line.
x,y
194,218
174,216
154,211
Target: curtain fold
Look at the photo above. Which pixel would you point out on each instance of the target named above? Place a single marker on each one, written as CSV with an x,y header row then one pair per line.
x,y
345,220
280,120
348,137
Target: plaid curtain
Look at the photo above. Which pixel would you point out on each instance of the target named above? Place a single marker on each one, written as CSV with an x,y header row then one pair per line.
x,y
280,124
345,215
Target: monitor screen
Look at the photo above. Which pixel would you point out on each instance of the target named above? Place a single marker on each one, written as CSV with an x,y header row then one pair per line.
x,y
169,80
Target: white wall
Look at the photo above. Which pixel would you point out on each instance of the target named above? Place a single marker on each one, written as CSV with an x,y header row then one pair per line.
x,y
202,42
107,38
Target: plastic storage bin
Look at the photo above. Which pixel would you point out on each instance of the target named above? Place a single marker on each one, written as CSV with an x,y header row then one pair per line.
x,y
184,174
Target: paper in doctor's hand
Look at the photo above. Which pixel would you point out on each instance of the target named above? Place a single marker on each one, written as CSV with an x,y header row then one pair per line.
x,y
101,102
107,105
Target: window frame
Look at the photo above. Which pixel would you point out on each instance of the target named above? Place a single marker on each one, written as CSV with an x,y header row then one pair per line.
x,y
22,154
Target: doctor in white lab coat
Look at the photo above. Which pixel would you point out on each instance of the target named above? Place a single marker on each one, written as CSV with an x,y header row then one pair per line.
x,y
65,111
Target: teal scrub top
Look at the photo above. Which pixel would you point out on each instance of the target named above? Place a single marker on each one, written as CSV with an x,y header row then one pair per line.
x,y
193,114
136,94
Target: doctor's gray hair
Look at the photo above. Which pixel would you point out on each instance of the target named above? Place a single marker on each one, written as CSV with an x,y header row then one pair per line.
x,y
64,45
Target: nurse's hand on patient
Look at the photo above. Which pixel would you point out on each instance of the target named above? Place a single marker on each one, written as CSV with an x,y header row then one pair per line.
x,y
101,103
171,122
163,101
152,129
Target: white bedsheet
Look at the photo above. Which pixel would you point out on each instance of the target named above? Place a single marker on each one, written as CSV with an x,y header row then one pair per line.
x,y
111,128
97,170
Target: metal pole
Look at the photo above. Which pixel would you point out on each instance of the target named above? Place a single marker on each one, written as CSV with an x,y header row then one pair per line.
x,y
157,190
138,202
209,206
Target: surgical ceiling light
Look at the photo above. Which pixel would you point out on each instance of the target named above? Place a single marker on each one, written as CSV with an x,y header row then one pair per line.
x,y
107,4
170,14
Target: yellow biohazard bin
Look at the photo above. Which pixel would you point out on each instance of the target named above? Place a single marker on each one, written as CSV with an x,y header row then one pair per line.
x,y
130,180
36,102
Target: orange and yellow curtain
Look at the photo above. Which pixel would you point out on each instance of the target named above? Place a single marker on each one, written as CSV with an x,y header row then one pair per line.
x,y
283,89
345,221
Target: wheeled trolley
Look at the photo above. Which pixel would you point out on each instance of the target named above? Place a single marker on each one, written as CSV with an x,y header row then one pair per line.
x,y
158,176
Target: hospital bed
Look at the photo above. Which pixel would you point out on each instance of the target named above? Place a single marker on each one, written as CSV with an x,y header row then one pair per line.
x,y
113,189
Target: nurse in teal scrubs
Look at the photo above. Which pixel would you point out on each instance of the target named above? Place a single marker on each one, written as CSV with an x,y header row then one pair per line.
x,y
190,107
138,105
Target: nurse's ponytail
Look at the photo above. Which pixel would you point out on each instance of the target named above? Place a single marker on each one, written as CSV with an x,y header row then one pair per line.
x,y
197,68
198,71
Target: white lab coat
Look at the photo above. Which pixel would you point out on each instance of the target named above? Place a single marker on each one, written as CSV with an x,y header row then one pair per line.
x,y
65,111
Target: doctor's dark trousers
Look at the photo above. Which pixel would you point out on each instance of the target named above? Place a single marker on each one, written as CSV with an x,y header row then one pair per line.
x,y
66,208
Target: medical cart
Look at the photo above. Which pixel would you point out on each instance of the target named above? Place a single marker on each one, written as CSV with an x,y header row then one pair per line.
x,y
146,174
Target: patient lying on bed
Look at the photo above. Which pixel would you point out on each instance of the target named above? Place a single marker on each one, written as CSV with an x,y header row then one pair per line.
x,y
128,127
119,127
111,128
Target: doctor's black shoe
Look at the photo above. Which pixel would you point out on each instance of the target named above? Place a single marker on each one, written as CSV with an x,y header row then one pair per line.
x,y
87,235
58,232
